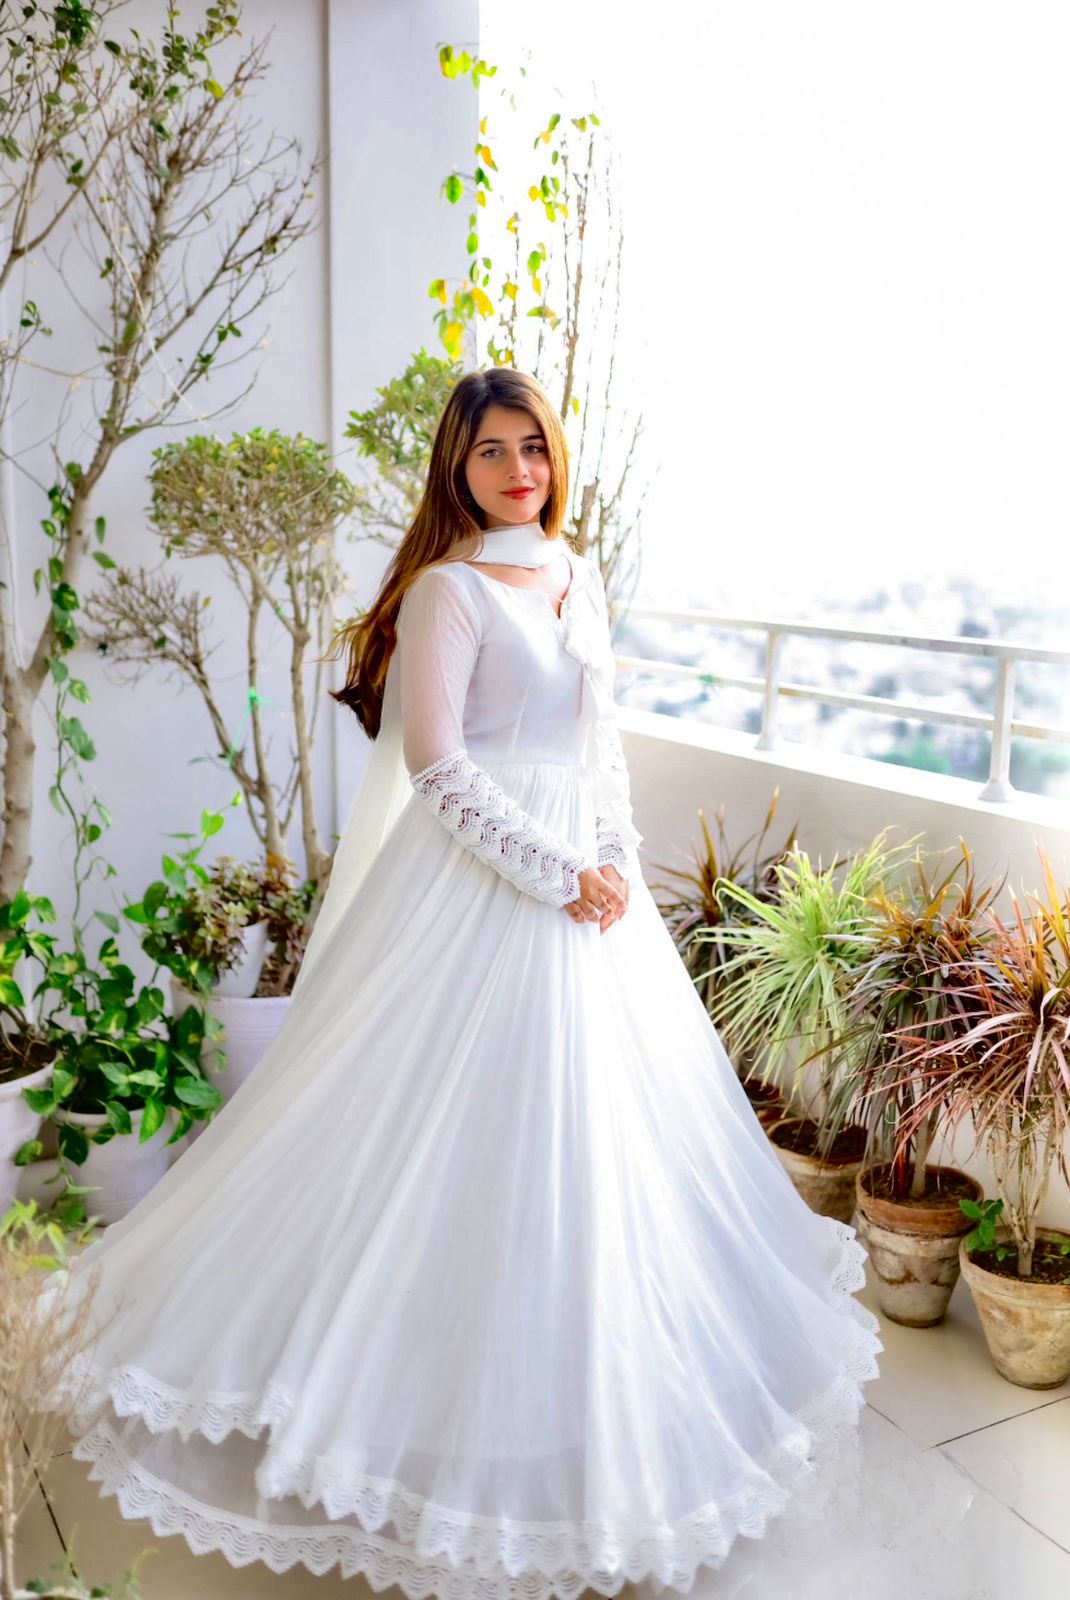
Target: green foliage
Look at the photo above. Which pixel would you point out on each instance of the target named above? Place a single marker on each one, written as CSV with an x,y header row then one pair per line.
x,y
396,434
986,1214
193,918
269,492
470,299
797,958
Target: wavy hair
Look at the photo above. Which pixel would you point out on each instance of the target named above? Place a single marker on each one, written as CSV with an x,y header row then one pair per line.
x,y
446,516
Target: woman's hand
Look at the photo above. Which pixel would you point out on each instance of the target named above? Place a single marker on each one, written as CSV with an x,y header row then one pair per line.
x,y
603,897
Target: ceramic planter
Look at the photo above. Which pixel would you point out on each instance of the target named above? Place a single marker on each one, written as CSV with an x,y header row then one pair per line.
x,y
827,1186
914,1245
249,1025
17,1124
123,1170
239,982
1026,1325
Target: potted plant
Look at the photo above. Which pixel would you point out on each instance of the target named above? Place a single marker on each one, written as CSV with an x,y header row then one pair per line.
x,y
26,1057
697,913
195,921
1007,1069
798,954
122,1066
909,1211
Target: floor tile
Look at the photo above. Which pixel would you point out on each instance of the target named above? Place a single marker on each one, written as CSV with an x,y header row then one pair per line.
x,y
1025,1464
939,1383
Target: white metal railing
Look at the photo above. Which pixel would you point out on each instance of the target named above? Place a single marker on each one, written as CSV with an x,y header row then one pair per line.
x,y
1001,723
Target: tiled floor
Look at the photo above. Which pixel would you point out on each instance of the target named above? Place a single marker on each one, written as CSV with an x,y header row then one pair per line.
x,y
1008,1447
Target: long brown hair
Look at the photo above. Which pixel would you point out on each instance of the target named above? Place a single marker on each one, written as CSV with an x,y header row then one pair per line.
x,y
447,515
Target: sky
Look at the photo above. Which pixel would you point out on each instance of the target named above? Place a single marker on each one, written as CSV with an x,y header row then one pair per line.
x,y
845,304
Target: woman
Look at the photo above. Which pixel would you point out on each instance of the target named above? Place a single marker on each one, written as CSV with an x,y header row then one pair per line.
x,y
487,1282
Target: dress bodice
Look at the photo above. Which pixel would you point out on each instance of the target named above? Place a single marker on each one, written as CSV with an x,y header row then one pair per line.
x,y
538,682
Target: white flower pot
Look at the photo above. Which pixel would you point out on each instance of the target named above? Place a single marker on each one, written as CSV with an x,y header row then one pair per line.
x,y
17,1124
249,1025
123,1170
240,981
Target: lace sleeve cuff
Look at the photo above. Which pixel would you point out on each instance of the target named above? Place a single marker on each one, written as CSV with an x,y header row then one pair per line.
x,y
611,851
489,823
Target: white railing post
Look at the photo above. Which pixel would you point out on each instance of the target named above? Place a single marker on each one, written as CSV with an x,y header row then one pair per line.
x,y
999,786
769,737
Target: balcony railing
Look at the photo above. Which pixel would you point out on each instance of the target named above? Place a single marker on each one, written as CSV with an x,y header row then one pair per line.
x,y
1000,722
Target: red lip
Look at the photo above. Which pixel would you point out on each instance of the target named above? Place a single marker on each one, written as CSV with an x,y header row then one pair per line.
x,y
516,494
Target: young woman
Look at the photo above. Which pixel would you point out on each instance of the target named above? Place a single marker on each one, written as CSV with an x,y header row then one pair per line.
x,y
488,1281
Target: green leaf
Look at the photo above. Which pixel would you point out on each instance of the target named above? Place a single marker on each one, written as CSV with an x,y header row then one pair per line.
x,y
10,993
197,1092
211,822
72,1142
110,922
214,89
103,560
152,1119
40,1100
118,1116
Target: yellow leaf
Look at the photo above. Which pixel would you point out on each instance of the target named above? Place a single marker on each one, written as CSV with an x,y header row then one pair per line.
x,y
576,404
483,125
481,198
452,338
511,224
534,193
510,289
536,284
483,304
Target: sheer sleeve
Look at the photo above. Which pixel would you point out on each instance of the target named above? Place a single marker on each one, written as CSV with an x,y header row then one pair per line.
x,y
438,636
618,837
611,847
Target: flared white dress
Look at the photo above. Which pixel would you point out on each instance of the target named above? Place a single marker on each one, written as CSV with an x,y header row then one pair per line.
x,y
487,1282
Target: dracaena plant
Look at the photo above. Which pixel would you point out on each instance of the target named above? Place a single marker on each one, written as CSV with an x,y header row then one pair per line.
x,y
799,955
921,934
695,910
1006,1064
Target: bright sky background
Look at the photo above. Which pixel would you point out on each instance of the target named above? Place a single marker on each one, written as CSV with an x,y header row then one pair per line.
x,y
848,277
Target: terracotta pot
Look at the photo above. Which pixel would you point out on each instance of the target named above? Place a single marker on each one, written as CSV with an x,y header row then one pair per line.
x,y
761,1094
914,1247
827,1187
1026,1325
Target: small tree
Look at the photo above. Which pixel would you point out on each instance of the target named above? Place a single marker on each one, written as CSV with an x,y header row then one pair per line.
x,y
395,436
545,268
268,507
184,226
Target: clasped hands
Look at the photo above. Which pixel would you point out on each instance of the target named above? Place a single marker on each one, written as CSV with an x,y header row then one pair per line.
x,y
603,897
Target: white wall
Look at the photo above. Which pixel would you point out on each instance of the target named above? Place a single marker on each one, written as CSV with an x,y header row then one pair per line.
x,y
360,79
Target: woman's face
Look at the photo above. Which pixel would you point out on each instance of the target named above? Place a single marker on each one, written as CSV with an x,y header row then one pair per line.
x,y
509,454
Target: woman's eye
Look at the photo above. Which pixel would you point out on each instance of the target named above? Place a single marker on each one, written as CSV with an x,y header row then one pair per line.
x,y
486,454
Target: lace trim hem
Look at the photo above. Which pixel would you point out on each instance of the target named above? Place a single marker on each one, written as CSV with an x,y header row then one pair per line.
x,y
483,1558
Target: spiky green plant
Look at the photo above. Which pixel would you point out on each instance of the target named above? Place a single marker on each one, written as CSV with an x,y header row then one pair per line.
x,y
799,955
698,914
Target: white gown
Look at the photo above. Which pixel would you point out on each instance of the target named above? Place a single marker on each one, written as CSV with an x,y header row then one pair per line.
x,y
487,1282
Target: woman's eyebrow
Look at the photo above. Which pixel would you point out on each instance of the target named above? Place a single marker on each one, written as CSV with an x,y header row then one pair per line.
x,y
527,437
